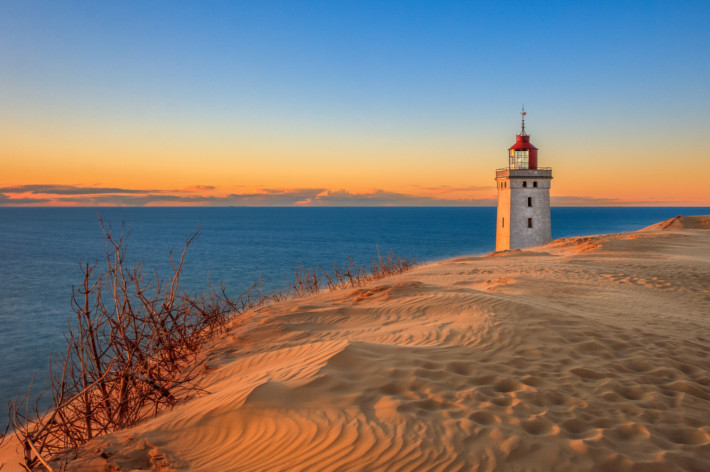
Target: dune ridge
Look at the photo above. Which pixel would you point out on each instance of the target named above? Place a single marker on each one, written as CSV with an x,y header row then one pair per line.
x,y
588,353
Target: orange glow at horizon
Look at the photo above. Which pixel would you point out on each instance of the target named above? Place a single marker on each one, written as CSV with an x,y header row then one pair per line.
x,y
212,167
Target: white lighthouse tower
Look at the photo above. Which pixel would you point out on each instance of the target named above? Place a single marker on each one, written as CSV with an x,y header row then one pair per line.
x,y
523,197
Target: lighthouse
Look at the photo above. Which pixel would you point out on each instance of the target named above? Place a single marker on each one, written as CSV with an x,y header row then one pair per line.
x,y
523,197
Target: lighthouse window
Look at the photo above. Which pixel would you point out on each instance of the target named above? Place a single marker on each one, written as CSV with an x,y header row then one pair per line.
x,y
529,201
535,184
529,222
520,160
502,222
525,184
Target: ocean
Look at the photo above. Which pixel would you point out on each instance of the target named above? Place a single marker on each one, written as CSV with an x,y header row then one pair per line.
x,y
41,249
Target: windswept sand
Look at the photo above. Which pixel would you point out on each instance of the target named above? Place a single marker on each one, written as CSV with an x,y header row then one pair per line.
x,y
589,353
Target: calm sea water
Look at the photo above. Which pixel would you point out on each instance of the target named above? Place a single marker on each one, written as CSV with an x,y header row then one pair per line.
x,y
40,251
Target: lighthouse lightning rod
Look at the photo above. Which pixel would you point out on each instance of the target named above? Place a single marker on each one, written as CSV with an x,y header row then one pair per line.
x,y
522,133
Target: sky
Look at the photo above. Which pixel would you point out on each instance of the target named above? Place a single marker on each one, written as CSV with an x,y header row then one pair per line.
x,y
350,102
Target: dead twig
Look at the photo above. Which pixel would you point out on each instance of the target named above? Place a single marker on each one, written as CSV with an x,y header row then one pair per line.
x,y
38,455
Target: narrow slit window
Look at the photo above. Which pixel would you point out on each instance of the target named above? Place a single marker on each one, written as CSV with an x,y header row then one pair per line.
x,y
502,224
535,184
525,184
529,201
529,222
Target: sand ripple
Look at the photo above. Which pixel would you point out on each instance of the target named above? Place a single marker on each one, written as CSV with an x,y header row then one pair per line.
x,y
591,355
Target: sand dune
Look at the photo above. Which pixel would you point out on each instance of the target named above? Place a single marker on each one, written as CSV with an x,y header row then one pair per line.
x,y
682,222
588,353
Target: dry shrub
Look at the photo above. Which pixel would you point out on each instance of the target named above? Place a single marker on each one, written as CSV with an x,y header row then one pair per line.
x,y
129,352
311,281
132,346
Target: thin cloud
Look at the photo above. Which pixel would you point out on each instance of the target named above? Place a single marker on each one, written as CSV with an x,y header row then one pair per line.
x,y
265,197
135,200
198,195
385,198
197,188
259,197
449,189
576,200
6,200
70,190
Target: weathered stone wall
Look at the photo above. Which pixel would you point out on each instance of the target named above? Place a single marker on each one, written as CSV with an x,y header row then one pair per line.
x,y
503,230
513,206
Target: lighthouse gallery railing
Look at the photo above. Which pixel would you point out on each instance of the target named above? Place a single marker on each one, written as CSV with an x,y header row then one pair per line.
x,y
540,172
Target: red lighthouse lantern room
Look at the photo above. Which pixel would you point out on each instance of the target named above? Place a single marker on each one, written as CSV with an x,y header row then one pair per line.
x,y
523,154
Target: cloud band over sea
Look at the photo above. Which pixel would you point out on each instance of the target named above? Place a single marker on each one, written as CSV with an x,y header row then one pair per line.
x,y
207,195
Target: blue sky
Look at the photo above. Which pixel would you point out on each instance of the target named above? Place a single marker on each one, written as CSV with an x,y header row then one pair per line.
x,y
318,87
